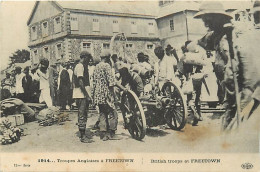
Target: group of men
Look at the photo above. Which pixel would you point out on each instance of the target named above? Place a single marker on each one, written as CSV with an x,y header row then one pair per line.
x,y
236,66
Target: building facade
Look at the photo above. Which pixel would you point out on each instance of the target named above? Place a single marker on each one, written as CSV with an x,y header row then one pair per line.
x,y
176,23
61,30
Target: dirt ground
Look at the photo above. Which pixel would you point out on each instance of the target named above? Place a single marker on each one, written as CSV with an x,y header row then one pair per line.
x,y
204,138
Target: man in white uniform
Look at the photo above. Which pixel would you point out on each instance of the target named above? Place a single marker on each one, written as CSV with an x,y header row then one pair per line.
x,y
43,73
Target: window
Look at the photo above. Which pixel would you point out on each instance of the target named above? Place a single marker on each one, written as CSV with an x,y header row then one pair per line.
x,y
149,46
86,45
151,28
44,29
46,52
106,45
57,24
115,26
33,33
95,25
129,45
35,58
171,25
237,17
35,52
59,51
74,25
133,27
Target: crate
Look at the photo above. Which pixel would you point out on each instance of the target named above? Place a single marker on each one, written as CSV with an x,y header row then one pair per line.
x,y
16,120
19,118
11,118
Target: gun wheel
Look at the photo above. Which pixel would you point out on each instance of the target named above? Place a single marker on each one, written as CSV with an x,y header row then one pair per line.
x,y
176,113
133,115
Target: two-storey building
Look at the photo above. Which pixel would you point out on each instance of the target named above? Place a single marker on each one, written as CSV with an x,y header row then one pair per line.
x,y
61,30
176,23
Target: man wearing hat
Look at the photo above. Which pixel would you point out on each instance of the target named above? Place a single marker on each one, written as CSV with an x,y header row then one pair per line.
x,y
81,93
220,38
104,97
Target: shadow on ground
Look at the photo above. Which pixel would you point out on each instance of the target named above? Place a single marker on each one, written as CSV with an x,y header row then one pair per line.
x,y
155,132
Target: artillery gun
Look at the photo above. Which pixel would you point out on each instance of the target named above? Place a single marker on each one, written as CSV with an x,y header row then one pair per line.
x,y
165,106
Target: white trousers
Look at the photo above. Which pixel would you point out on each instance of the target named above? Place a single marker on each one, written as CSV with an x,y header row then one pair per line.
x,y
46,97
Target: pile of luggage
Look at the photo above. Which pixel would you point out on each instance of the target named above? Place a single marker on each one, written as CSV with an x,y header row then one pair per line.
x,y
50,116
9,133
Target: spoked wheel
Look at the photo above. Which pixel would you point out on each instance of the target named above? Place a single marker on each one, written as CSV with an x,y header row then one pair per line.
x,y
133,115
177,111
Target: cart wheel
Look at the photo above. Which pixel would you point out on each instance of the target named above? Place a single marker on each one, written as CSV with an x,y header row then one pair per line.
x,y
133,115
177,112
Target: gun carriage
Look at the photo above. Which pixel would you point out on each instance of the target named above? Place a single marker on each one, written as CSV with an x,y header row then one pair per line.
x,y
165,106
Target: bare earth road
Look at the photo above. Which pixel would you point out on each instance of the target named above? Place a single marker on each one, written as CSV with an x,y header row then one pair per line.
x,y
204,138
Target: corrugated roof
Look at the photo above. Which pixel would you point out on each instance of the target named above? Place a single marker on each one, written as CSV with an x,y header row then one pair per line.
x,y
148,8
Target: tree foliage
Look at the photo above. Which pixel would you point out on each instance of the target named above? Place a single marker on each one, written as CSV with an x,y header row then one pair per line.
x,y
20,56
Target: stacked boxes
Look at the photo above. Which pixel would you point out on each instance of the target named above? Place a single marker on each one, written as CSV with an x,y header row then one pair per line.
x,y
16,120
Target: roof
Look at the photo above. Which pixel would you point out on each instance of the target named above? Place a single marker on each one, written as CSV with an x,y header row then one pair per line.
x,y
115,7
178,6
237,5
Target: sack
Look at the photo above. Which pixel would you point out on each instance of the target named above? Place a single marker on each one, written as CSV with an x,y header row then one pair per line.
x,y
194,59
48,113
187,87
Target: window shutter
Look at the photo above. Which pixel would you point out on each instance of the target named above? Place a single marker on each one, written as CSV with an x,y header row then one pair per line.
x,y
133,27
74,24
115,26
57,24
95,25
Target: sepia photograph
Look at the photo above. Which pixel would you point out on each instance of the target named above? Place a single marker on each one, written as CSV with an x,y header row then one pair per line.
x,y
130,85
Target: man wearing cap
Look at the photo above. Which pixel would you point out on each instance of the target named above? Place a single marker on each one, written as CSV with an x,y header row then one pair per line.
x,y
220,38
104,97
27,85
81,93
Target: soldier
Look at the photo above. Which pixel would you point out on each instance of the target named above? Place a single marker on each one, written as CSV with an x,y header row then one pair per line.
x,y
256,93
27,85
7,83
230,46
18,83
131,79
81,94
63,86
104,97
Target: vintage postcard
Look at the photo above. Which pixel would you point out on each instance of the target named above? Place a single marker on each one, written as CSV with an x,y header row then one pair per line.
x,y
130,85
